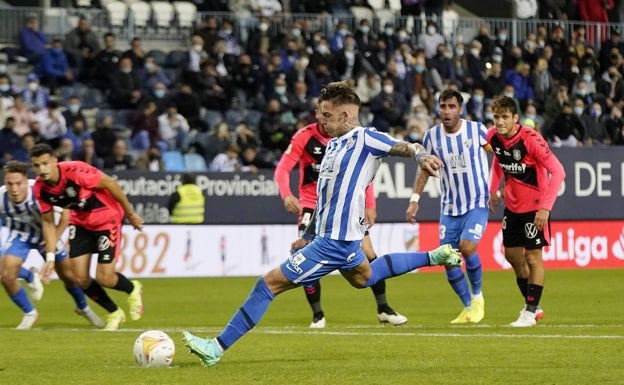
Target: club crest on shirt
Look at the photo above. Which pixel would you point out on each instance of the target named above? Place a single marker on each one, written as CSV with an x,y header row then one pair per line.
x,y
350,143
468,143
71,192
517,155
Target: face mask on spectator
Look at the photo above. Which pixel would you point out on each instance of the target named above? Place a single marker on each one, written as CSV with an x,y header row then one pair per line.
x,y
280,90
159,93
402,35
343,32
489,116
198,47
227,31
74,108
263,27
149,66
389,88
475,51
509,94
295,32
322,49
304,61
389,31
365,29
530,116
581,92
3,68
595,113
478,98
126,70
419,68
459,52
502,36
33,86
587,78
578,111
4,87
497,58
431,30
414,136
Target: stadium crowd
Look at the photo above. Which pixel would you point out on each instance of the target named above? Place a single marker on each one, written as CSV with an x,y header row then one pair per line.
x,y
237,98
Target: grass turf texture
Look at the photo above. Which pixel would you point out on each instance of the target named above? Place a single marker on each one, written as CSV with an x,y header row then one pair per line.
x,y
580,341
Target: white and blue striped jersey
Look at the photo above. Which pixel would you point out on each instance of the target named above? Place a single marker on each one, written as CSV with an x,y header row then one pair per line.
x,y
23,220
348,167
465,176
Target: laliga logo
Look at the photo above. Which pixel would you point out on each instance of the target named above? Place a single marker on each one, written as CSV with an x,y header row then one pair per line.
x,y
618,247
499,251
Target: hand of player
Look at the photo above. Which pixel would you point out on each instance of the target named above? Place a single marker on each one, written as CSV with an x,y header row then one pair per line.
x,y
493,202
370,215
541,218
291,203
46,271
298,244
136,221
430,164
410,214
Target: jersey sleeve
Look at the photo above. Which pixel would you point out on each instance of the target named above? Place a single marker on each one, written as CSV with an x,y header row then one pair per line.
x,y
369,197
483,135
378,143
45,206
84,174
287,162
496,174
427,142
545,158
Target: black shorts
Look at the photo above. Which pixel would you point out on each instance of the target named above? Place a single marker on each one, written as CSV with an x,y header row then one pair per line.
x,y
519,231
304,219
104,243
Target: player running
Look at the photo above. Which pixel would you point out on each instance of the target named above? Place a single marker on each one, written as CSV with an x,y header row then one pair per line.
x,y
97,206
307,147
23,215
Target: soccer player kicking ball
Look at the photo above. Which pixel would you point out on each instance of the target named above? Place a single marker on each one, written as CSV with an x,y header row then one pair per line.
x,y
18,204
462,146
307,148
351,159
525,159
97,205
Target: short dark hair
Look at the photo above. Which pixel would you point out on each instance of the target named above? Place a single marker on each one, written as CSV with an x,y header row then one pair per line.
x,y
339,93
502,102
41,149
450,93
13,166
188,178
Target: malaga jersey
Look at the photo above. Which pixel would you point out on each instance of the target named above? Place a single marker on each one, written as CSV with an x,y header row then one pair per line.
x,y
23,219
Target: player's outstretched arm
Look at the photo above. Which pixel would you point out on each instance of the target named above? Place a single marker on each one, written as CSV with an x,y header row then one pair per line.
x,y
427,163
113,187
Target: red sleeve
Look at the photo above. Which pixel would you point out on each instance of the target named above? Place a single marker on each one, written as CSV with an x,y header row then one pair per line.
x,y
369,199
83,173
496,174
548,160
285,165
45,206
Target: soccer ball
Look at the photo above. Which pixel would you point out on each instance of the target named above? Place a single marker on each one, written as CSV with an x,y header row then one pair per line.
x,y
154,349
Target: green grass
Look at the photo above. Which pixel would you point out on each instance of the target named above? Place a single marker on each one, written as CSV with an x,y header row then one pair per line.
x,y
580,341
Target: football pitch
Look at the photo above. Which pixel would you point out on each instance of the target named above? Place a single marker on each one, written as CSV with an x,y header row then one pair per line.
x,y
580,340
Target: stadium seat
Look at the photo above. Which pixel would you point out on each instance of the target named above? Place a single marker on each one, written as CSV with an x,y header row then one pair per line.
x,y
117,14
141,13
159,56
395,5
385,16
175,58
84,3
93,98
186,13
377,4
195,162
173,161
361,13
163,14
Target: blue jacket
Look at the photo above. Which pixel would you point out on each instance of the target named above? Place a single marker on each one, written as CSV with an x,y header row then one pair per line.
x,y
54,63
32,42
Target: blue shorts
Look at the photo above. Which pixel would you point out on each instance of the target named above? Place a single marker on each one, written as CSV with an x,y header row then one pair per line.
x,y
470,226
19,248
320,257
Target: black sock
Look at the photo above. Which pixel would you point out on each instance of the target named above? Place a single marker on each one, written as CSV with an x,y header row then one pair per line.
x,y
123,284
313,295
379,290
99,296
533,296
523,285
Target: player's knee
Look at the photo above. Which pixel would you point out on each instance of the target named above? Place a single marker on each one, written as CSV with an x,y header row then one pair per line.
x,y
8,278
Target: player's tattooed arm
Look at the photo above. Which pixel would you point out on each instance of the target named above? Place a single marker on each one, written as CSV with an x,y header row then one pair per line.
x,y
428,163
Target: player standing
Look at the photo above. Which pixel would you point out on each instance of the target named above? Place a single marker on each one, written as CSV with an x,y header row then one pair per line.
x,y
23,214
351,160
462,146
97,205
525,159
307,147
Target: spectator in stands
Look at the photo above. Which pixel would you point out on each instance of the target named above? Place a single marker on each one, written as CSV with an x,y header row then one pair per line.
x,y
262,41
145,130
228,161
189,106
302,104
431,40
615,126
151,74
596,133
368,86
105,63
54,67
365,38
35,96
531,113
554,104
187,204
35,131
9,141
226,33
104,137
348,61
87,154
119,159
4,65
7,90
322,54
27,142
487,43
65,151
443,64
567,129
136,53
32,41
606,47
389,108
581,91
194,59
211,88
277,127
254,160
150,160
475,67
209,144
77,133
125,92
495,82
610,84
558,59
22,114
520,79
160,95
289,55
595,11
336,43
553,10
420,77
269,8
245,137
174,129
81,45
246,81
73,111
207,31
52,124
542,83
476,104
